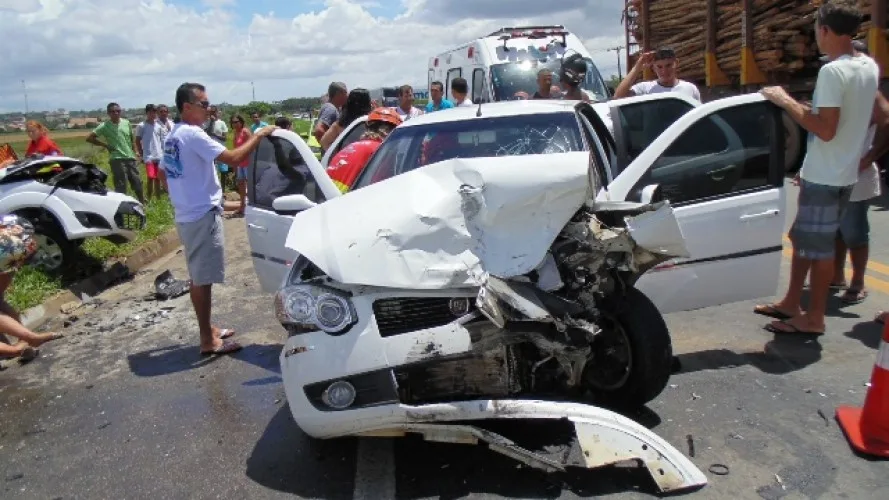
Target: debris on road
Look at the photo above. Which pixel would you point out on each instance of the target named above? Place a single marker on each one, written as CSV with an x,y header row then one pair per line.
x,y
167,287
691,445
824,417
719,469
780,482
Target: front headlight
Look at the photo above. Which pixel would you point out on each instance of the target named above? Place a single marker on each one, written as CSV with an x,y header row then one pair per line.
x,y
314,307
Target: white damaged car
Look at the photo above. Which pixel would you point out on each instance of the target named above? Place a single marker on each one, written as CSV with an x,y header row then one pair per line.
x,y
67,201
519,272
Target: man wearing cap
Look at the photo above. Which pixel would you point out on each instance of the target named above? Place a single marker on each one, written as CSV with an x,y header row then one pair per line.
x,y
664,63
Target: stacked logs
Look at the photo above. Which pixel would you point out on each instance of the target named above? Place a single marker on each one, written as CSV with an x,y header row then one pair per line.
x,y
783,39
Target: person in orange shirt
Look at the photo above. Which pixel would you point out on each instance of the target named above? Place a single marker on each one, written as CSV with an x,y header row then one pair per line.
x,y
347,164
40,143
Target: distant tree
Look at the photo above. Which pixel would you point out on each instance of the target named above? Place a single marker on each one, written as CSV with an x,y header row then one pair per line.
x,y
263,108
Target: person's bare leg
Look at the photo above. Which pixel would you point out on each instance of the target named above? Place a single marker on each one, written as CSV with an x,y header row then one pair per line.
x,y
790,304
242,191
819,289
201,299
10,326
150,189
13,351
839,263
859,257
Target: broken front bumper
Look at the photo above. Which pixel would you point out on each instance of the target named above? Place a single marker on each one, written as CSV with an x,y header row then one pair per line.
x,y
601,437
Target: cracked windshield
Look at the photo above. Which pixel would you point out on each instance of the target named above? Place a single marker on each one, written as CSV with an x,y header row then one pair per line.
x,y
416,249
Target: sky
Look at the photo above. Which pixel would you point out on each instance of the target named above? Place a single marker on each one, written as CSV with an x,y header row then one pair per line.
x,y
82,54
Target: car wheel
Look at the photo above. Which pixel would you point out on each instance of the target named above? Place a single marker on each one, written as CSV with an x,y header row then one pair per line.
x,y
632,357
53,248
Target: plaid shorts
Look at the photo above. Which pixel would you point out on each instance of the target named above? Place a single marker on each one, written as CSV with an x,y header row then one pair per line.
x,y
818,217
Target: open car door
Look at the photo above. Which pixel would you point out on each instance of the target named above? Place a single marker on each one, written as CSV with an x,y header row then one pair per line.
x,y
721,167
283,171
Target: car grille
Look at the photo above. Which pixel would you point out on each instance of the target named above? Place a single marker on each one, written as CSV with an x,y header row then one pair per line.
x,y
399,315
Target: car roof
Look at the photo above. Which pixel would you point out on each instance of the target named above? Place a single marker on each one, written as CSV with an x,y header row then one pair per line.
x,y
493,110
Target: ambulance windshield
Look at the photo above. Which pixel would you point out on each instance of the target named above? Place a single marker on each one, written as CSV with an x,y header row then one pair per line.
x,y
521,76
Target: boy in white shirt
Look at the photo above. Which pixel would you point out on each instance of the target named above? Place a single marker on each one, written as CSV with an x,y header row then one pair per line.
x,y
842,106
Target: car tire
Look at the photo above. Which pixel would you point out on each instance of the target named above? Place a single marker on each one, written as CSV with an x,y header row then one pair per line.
x,y
632,326
54,249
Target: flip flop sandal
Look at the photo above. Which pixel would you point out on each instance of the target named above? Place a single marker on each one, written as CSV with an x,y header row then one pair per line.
x,y
227,347
793,330
853,296
226,333
771,311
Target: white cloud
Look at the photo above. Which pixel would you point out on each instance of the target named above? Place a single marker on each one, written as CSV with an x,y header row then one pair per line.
x,y
83,54
218,3
20,6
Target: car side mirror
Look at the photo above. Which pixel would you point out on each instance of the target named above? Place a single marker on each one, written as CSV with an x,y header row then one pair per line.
x,y
292,204
651,193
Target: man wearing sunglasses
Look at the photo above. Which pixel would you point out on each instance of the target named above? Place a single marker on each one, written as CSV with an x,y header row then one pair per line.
x,y
196,195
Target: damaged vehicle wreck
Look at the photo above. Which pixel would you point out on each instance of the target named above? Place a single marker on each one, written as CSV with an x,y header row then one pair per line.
x,y
526,287
489,326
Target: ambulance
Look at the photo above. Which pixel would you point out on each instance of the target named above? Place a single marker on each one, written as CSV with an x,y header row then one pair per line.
x,y
500,65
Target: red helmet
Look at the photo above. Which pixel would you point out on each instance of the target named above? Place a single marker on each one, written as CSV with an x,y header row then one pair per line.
x,y
385,115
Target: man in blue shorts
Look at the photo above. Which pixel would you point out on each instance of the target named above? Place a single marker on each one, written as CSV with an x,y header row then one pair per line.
x,y
196,195
842,104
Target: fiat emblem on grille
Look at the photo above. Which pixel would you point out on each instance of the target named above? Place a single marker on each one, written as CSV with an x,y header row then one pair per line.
x,y
459,306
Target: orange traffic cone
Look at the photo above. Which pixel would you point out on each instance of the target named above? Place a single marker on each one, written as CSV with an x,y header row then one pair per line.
x,y
867,429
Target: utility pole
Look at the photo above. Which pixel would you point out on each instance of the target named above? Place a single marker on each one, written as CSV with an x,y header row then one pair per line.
x,y
254,91
617,49
25,90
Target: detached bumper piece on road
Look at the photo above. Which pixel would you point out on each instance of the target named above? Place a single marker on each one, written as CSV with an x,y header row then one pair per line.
x,y
600,437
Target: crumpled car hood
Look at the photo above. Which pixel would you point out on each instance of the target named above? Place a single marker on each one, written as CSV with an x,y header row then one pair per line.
x,y
440,225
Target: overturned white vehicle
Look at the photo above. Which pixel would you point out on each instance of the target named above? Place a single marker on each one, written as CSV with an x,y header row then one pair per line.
x,y
511,287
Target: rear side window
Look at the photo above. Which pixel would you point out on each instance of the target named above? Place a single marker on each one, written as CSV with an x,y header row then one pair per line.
x,y
351,137
413,147
642,122
279,170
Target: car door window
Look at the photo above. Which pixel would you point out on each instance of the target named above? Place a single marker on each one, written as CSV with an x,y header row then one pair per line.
x,y
727,152
352,136
640,124
279,170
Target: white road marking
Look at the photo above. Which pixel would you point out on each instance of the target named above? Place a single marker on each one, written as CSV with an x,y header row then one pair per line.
x,y
374,469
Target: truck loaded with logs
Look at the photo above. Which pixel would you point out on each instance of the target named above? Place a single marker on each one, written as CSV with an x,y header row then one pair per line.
x,y
728,47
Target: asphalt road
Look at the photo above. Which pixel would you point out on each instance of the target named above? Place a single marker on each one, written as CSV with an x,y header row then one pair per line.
x,y
123,407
